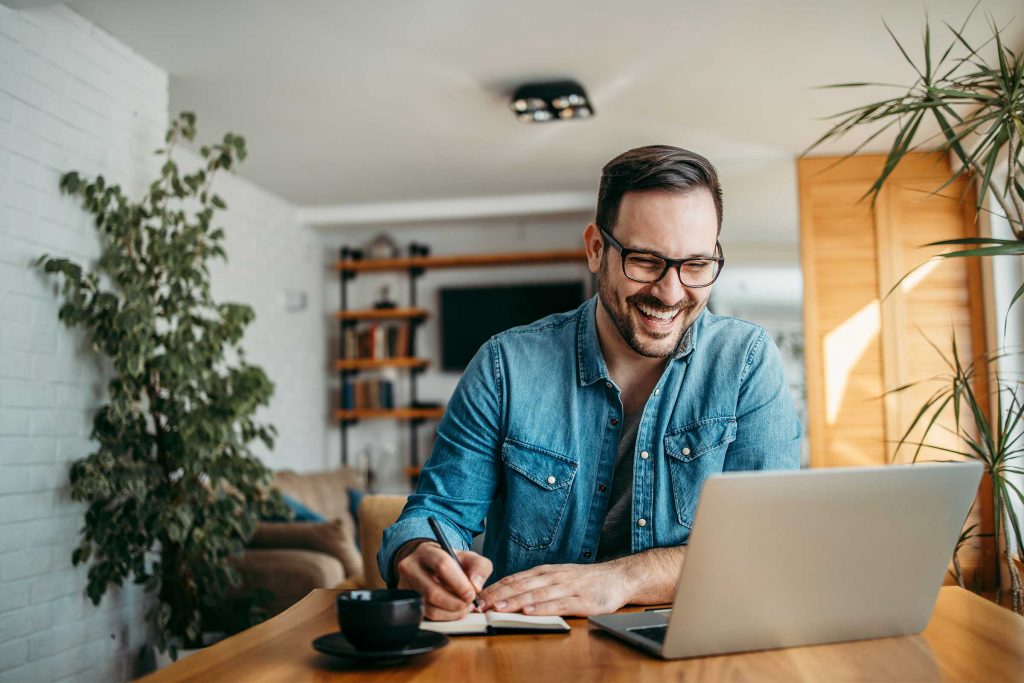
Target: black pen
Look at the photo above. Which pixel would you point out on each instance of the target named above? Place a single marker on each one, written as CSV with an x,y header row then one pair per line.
x,y
436,528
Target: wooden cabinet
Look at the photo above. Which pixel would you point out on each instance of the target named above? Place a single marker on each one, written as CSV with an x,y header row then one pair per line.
x,y
864,338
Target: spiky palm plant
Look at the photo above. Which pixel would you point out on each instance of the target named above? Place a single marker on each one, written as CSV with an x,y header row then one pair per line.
x,y
995,441
979,109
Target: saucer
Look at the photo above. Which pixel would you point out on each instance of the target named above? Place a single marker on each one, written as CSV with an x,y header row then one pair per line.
x,y
335,644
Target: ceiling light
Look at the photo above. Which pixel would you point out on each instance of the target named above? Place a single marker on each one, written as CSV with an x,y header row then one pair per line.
x,y
541,101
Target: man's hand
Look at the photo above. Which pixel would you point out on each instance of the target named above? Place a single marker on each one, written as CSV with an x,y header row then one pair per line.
x,y
564,589
447,593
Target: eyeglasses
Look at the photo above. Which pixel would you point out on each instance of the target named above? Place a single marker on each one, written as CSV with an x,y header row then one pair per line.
x,y
643,266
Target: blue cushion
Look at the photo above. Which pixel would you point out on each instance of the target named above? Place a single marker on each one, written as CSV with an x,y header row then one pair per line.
x,y
300,512
355,497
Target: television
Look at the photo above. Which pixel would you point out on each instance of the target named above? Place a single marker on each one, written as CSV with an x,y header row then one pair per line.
x,y
472,315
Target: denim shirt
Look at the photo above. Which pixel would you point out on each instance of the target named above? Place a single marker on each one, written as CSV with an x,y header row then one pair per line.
x,y
529,438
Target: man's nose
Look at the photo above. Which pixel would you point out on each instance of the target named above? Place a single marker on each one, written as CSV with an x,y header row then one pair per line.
x,y
668,289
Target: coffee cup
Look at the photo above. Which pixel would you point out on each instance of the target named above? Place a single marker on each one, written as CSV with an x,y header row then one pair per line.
x,y
380,619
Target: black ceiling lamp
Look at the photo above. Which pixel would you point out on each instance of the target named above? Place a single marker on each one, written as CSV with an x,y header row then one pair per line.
x,y
537,102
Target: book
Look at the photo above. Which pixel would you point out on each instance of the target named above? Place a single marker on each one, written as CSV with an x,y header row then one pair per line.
x,y
402,342
348,395
490,623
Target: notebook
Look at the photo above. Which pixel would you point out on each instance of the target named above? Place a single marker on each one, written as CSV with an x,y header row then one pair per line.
x,y
490,623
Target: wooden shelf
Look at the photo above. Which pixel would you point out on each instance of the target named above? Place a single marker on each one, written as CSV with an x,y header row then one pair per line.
x,y
370,364
392,414
383,314
463,261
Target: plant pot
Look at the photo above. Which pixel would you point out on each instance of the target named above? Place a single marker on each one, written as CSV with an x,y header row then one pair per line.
x,y
163,659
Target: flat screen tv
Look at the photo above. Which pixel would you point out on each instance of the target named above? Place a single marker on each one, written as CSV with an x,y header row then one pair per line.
x,y
471,315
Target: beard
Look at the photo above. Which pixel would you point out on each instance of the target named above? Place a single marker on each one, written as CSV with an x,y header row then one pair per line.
x,y
658,344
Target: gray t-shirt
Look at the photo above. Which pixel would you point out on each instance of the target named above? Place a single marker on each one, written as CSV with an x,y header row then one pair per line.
x,y
617,533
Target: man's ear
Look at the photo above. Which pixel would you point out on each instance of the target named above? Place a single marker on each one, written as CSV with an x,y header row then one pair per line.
x,y
593,243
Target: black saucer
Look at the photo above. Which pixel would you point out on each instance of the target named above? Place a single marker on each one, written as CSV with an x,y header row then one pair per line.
x,y
335,644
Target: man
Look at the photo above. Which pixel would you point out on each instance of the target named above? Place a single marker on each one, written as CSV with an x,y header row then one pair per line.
x,y
585,437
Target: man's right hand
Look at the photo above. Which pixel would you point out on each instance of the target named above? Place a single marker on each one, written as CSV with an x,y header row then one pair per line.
x,y
447,593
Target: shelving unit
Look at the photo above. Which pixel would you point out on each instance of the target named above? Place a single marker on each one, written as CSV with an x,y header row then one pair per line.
x,y
414,267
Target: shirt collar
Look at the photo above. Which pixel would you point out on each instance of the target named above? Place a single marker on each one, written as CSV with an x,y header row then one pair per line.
x,y
590,360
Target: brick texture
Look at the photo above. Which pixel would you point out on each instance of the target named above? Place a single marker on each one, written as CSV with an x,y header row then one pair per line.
x,y
70,98
73,97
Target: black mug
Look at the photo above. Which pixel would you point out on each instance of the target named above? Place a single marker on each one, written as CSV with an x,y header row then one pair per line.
x,y
380,619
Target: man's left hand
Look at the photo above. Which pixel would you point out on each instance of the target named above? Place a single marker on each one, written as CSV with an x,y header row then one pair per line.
x,y
563,589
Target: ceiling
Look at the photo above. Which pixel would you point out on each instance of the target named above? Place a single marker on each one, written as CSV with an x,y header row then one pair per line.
x,y
346,102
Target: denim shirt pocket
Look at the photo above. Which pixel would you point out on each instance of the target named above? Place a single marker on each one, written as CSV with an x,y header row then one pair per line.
x,y
538,483
695,452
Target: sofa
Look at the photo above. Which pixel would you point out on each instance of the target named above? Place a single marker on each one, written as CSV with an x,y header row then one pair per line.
x,y
286,560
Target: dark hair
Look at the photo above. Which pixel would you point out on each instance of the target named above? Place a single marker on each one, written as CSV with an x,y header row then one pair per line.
x,y
655,167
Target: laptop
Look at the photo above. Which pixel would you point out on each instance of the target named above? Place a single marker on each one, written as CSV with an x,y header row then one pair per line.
x,y
780,559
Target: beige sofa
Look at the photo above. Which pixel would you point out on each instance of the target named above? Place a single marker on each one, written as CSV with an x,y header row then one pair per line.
x,y
289,559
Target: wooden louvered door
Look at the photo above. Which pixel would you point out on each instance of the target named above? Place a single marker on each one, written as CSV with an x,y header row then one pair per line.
x,y
863,338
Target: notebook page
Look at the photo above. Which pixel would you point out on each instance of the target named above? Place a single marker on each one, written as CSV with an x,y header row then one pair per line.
x,y
474,622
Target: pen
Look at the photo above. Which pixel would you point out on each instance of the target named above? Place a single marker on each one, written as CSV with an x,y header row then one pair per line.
x,y
436,528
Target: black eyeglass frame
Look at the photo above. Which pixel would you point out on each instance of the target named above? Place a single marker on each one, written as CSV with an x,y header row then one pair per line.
x,y
669,262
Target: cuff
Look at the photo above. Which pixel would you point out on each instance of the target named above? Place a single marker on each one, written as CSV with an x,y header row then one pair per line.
x,y
409,529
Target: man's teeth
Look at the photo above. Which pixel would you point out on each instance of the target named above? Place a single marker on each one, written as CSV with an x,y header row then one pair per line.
x,y
657,314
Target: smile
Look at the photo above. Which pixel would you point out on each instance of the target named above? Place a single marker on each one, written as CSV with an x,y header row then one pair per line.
x,y
662,317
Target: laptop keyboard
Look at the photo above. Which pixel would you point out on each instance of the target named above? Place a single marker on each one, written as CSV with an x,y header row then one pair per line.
x,y
655,633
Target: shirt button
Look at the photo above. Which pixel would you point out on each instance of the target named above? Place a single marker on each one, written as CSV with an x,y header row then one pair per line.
x,y
645,455
657,391
686,451
614,421
641,522
602,488
586,554
608,384
551,480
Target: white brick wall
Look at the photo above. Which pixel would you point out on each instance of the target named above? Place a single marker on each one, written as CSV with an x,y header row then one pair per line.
x,y
71,97
269,254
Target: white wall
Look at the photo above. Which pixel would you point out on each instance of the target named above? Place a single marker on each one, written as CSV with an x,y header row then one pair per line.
x,y
71,97
1006,324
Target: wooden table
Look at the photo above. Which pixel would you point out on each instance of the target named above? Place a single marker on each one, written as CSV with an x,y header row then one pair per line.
x,y
968,638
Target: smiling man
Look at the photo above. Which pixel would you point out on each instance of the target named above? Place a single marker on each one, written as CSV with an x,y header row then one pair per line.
x,y
584,438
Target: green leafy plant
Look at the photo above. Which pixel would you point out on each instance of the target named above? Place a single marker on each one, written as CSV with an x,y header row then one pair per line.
x,y
173,490
994,441
979,109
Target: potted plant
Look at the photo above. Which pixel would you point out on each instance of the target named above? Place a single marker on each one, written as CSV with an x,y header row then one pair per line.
x,y
978,106
993,437
173,489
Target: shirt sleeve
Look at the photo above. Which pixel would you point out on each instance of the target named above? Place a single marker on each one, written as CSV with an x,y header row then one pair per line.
x,y
768,431
457,484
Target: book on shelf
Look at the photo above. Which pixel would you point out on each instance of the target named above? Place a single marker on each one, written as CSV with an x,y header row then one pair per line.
x,y
402,346
376,342
374,393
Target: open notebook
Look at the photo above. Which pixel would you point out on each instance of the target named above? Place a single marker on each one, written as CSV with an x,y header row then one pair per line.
x,y
488,623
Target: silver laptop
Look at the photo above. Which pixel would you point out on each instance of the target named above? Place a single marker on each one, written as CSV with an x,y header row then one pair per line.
x,y
779,559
